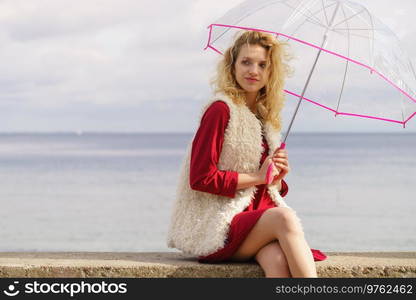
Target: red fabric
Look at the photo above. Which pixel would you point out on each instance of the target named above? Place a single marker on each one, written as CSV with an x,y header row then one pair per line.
x,y
206,177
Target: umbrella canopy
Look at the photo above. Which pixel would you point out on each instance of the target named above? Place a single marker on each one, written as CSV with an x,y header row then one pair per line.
x,y
346,60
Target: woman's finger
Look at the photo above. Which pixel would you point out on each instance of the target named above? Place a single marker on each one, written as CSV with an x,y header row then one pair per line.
x,y
281,155
282,168
281,160
284,151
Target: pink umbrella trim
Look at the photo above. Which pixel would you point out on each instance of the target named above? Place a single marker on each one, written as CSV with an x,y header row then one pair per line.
x,y
348,114
330,52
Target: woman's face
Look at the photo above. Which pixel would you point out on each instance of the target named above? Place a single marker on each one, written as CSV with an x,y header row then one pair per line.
x,y
251,68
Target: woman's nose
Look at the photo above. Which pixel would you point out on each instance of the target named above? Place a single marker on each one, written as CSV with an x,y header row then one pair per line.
x,y
253,69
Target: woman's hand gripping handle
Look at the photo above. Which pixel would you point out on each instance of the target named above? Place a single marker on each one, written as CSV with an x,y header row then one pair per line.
x,y
270,174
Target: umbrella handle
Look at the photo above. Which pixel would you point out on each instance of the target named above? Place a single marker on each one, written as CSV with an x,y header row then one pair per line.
x,y
269,177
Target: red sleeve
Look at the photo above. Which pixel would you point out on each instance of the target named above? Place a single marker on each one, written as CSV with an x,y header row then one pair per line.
x,y
206,150
285,189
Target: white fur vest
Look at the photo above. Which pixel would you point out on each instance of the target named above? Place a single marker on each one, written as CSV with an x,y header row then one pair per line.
x,y
200,221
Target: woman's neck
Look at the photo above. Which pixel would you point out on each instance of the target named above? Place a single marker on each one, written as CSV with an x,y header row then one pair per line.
x,y
251,101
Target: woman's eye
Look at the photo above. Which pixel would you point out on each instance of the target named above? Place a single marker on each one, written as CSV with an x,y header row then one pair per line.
x,y
246,62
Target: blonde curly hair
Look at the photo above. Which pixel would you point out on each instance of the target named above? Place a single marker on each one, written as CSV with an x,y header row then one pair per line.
x,y
271,98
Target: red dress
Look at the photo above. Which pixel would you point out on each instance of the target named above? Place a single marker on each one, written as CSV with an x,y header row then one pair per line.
x,y
206,177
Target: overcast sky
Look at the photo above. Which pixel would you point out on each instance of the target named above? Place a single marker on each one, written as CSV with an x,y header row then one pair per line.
x,y
131,65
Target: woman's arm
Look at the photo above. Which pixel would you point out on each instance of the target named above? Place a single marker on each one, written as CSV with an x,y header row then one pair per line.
x,y
206,149
246,180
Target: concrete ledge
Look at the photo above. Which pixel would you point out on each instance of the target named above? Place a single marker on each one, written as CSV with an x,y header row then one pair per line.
x,y
173,264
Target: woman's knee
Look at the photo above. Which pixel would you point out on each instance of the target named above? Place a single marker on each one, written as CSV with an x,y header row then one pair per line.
x,y
286,220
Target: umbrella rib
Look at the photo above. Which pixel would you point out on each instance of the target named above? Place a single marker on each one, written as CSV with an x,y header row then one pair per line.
x,y
323,8
401,108
352,34
350,17
412,68
365,29
348,114
300,25
243,17
346,65
408,119
317,21
372,37
261,7
305,9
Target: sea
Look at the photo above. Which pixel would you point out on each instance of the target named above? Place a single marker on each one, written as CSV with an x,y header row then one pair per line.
x,y
115,191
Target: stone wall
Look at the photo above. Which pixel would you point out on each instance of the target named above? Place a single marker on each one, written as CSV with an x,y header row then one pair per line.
x,y
174,264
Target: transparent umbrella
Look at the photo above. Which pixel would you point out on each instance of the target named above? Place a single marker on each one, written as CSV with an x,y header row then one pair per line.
x,y
347,61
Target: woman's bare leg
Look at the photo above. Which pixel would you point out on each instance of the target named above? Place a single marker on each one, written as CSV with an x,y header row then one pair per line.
x,y
273,261
282,224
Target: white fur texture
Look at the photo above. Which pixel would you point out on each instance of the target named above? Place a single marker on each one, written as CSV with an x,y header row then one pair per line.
x,y
200,221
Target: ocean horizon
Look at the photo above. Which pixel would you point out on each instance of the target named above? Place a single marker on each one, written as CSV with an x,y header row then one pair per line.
x,y
95,191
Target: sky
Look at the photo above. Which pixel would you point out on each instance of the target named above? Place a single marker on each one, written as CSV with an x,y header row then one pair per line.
x,y
133,66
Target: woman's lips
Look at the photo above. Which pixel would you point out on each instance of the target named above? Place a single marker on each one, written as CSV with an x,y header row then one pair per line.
x,y
251,80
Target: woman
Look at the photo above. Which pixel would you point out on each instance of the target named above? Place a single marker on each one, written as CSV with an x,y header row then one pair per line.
x,y
224,210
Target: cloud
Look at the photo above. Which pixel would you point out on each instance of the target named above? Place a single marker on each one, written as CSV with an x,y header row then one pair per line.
x,y
68,60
